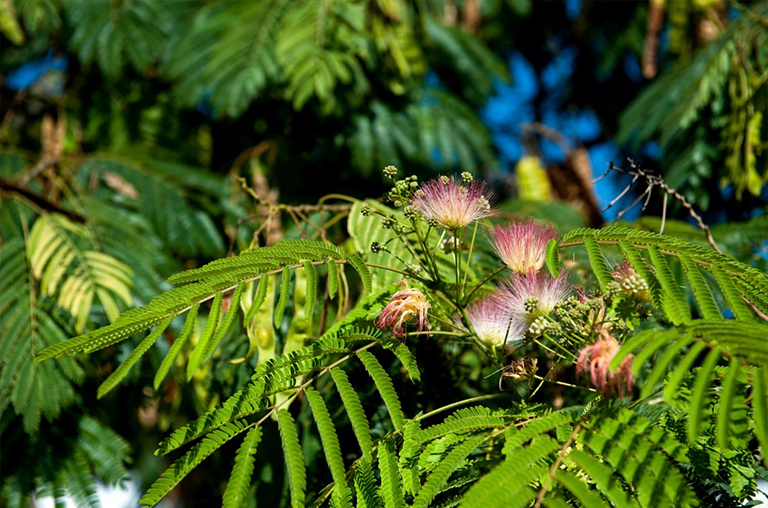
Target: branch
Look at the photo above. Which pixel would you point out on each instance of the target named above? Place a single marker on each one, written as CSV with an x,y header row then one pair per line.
x,y
12,190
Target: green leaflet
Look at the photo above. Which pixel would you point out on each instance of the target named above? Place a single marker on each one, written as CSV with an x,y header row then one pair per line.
x,y
330,442
362,270
198,354
333,278
385,387
391,485
675,304
700,290
365,486
240,477
727,404
700,389
597,262
178,344
137,353
760,405
355,412
294,458
261,294
285,289
553,258
226,323
309,303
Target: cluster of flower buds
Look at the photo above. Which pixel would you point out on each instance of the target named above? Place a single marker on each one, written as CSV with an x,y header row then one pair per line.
x,y
389,222
449,244
537,328
402,190
627,281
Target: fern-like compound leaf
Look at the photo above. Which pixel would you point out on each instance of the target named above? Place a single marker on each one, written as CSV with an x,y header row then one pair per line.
x,y
671,388
508,483
408,360
443,471
190,460
242,470
462,421
129,362
386,388
294,458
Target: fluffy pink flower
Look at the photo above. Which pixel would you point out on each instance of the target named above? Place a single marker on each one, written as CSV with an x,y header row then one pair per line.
x,y
493,324
535,292
409,305
522,245
597,360
453,204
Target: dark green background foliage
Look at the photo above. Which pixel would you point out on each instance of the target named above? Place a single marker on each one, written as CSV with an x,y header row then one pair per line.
x,y
173,127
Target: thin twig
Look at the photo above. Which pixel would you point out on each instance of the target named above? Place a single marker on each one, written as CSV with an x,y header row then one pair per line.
x,y
654,181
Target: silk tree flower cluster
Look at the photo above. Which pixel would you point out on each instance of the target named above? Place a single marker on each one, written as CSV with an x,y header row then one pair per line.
x,y
528,306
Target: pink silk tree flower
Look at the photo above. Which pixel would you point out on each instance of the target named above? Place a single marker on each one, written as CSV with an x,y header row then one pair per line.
x,y
493,324
407,306
452,204
522,245
596,359
531,294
